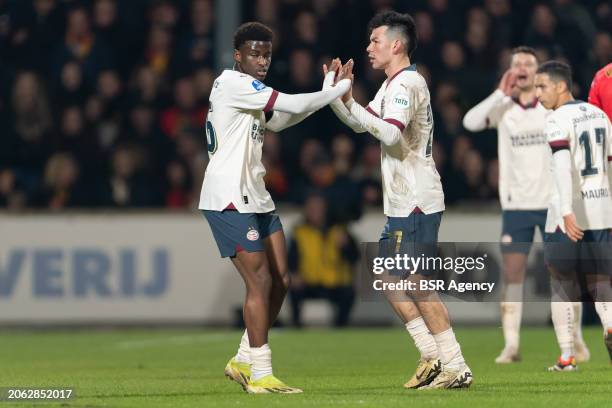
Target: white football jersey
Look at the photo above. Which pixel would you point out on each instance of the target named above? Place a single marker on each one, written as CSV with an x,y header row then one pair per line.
x,y
523,154
409,174
235,133
586,131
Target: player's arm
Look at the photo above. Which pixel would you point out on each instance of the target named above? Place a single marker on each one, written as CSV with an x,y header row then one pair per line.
x,y
282,120
558,139
254,95
337,105
488,112
387,130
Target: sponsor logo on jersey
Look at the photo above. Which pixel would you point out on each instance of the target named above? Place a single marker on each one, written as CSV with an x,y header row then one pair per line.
x,y
258,85
252,235
401,100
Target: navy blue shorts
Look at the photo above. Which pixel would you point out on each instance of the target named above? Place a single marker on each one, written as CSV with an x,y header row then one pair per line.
x,y
235,231
415,235
518,229
591,255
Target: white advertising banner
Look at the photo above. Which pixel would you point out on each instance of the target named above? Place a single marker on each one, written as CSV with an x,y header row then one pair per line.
x,y
157,268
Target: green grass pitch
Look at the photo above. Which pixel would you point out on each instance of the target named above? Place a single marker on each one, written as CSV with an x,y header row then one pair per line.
x,y
348,368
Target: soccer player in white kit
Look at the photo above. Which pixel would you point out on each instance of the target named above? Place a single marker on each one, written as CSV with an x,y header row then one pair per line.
x,y
400,117
579,221
524,185
234,198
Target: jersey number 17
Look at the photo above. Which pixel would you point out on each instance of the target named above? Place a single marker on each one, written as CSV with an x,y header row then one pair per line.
x,y
587,148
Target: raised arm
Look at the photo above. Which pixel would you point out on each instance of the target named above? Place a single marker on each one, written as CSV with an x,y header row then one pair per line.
x,y
486,114
337,105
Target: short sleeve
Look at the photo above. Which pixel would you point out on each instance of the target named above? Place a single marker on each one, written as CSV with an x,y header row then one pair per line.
x,y
556,135
249,93
403,103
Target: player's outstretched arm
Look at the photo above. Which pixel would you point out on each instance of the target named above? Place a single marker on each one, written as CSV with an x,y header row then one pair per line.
x,y
387,132
337,105
478,118
310,102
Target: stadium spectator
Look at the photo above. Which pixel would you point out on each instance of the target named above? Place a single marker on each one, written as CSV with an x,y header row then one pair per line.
x,y
62,185
32,124
157,58
185,113
127,187
321,258
12,197
81,44
178,185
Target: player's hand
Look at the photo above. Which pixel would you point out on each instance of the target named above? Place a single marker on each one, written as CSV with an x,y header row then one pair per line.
x,y
346,72
508,82
572,230
333,67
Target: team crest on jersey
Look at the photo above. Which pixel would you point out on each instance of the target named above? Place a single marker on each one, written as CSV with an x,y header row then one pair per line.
x,y
253,234
401,100
258,85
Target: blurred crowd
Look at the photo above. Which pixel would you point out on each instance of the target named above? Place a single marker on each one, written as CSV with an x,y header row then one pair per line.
x,y
102,102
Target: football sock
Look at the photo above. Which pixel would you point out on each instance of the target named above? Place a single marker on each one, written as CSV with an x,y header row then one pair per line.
x,y
563,321
449,350
423,339
244,351
261,362
603,305
604,310
511,313
578,322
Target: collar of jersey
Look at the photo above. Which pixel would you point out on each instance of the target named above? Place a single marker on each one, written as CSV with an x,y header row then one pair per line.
x,y
574,102
530,105
409,68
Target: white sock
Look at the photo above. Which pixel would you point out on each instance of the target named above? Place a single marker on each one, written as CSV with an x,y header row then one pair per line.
x,y
244,351
261,362
578,323
511,313
563,321
604,310
603,305
449,350
423,339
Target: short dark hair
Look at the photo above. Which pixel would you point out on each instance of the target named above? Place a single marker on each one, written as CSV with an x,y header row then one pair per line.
x,y
557,71
252,31
523,49
396,21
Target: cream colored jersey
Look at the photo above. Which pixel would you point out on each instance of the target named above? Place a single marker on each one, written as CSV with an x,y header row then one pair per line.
x,y
409,174
235,132
523,153
586,131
